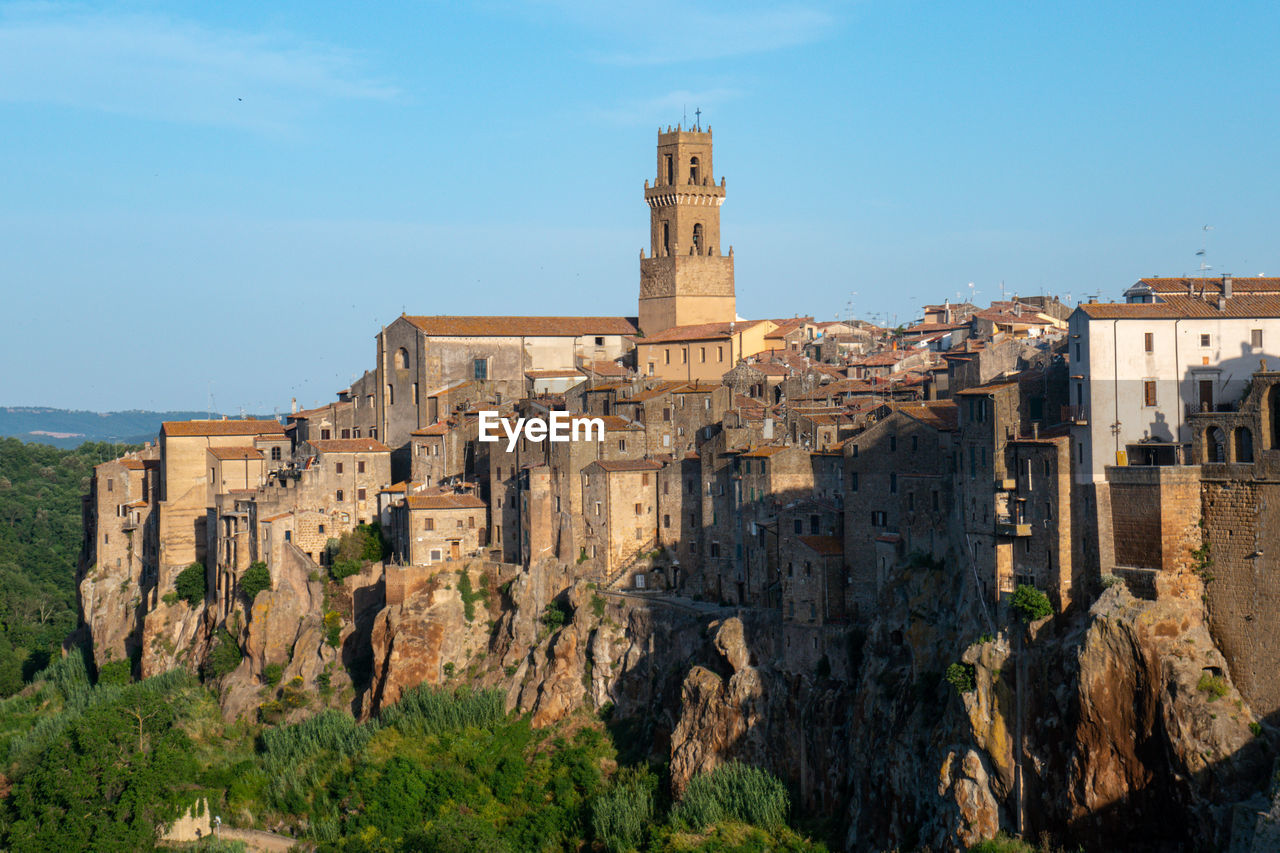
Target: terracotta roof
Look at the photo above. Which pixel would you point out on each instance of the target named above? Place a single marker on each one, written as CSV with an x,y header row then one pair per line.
x,y
555,374
827,546
989,387
349,445
607,368
629,465
700,332
276,517
530,327
656,391
1007,319
450,501
892,538
221,427
401,486
695,388
764,451
236,453
131,463
611,422
609,386
941,414
882,359
1255,284
438,428
1178,307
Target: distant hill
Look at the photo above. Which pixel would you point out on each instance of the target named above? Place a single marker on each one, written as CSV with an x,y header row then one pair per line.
x,y
68,428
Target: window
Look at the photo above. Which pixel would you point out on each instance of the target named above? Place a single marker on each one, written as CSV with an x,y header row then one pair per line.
x,y
644,479
391,395
702,354
1148,342
638,509
666,521
415,393
338,467
471,522
622,444
915,443
338,496
359,494
597,508
893,443
684,355
693,170
671,171
715,549
853,482
356,432
429,524
459,524
360,467
666,355
1148,392
911,501
666,236
319,528
878,518
935,501
798,526
814,522
697,238
893,484
346,433
599,341
1255,338
480,368
1204,340
720,353
402,359
436,555
666,414
854,452
275,454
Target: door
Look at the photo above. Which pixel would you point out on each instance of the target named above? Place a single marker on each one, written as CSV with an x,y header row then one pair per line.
x,y
1206,395
454,550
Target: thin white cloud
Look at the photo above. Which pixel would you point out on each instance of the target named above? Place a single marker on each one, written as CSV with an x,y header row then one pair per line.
x,y
171,70
660,109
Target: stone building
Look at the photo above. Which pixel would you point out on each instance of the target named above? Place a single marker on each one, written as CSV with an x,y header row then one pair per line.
x,y
704,352
430,528
620,501
898,494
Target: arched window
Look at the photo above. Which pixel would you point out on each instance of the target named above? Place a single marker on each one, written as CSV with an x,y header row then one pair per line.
x,y
391,395
671,170
402,359
693,170
1215,445
697,237
666,239
1244,445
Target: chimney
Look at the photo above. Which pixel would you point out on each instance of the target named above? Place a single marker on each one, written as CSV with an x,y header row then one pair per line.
x,y
293,406
1035,429
1191,288
1227,283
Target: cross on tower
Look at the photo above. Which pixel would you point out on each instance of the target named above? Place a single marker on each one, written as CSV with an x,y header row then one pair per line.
x,y
698,114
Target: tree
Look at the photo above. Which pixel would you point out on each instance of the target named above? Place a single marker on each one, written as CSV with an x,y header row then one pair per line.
x,y
255,579
190,584
1031,603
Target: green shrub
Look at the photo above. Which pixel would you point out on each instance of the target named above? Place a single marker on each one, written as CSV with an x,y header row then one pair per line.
x,y
224,657
115,672
1030,603
272,673
469,597
733,791
340,569
1256,728
556,615
1214,685
333,628
190,584
324,681
255,579
961,676
597,606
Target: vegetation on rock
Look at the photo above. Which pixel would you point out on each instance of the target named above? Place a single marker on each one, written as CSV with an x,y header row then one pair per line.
x,y
255,579
190,584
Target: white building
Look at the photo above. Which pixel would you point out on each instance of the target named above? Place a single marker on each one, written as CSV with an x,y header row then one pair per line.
x,y
1140,367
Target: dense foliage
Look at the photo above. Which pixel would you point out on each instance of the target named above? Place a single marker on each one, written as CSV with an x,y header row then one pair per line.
x,y
40,539
191,585
255,579
1030,603
348,554
105,767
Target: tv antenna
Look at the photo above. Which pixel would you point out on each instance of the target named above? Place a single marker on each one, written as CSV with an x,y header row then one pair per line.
x,y
1204,249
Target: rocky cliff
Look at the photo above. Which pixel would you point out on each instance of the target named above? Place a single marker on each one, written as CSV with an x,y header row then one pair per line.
x,y
1112,727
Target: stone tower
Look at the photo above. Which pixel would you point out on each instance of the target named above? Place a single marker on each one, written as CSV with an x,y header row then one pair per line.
x,y
687,279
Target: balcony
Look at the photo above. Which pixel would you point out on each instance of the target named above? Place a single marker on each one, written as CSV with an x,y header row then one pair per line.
x,y
1011,528
1076,415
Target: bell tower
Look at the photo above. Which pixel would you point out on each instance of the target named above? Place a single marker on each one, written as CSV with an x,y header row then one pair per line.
x,y
687,279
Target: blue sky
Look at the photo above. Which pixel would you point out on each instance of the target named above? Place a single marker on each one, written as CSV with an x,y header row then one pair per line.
x,y
236,196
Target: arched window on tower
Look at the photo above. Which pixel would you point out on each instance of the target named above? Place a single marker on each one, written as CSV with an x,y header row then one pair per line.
x,y
671,170
402,359
666,239
693,170
697,238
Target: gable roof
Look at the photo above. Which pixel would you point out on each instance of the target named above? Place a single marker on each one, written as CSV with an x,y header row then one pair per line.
x,y
616,465
529,327
248,426
699,332
1180,307
942,415
236,453
348,445
450,501
827,546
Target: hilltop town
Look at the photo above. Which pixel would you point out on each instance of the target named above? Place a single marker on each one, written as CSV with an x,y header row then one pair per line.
x,y
791,527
